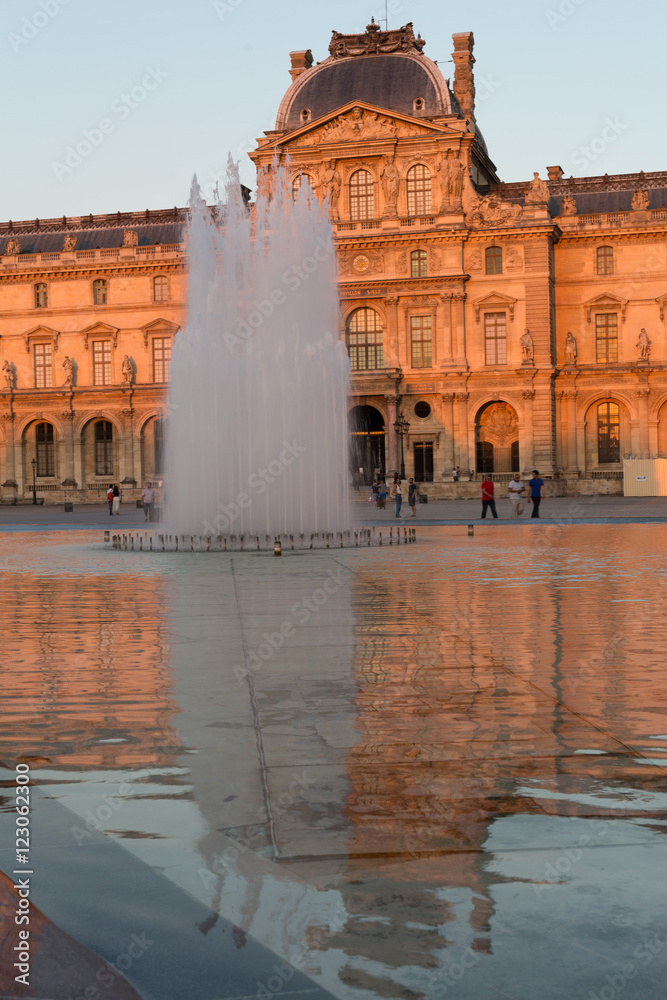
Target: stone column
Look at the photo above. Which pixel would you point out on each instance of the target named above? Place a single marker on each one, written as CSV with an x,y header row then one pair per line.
x,y
529,444
448,422
68,450
391,357
460,337
127,449
643,397
570,401
9,484
462,449
392,444
445,352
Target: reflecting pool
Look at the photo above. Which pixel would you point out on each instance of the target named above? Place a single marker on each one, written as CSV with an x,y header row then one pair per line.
x,y
420,771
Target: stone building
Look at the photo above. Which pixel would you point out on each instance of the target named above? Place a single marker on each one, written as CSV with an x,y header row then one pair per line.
x,y
490,326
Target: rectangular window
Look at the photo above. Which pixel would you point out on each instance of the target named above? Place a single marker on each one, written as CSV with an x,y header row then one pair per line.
x,y
423,454
102,362
606,337
43,366
495,339
161,358
45,454
160,289
421,343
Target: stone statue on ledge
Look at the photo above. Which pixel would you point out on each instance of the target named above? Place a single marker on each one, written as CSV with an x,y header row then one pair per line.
x,y
390,181
537,194
127,370
68,365
570,350
527,349
8,374
640,201
644,346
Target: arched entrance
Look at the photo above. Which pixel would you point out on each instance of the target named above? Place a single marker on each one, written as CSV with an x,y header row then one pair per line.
x,y
366,451
497,439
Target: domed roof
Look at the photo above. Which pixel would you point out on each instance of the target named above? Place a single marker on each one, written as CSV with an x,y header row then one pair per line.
x,y
384,68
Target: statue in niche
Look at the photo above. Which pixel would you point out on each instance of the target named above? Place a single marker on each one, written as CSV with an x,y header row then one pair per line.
x,y
8,374
444,169
127,370
568,205
570,350
68,365
390,181
526,348
331,185
537,193
456,181
644,346
640,200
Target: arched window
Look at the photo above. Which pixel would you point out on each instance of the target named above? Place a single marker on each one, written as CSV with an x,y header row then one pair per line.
x,y
160,289
605,260
45,454
419,190
364,340
158,445
41,296
362,204
298,181
103,448
99,292
418,268
494,260
609,440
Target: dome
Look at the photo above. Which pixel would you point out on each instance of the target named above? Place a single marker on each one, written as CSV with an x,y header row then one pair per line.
x,y
360,68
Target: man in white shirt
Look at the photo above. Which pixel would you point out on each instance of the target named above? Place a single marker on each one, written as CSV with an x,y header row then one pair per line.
x,y
516,488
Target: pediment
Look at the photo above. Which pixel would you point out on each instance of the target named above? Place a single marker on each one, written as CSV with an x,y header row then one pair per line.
x,y
494,300
159,327
662,302
100,330
605,301
41,331
360,122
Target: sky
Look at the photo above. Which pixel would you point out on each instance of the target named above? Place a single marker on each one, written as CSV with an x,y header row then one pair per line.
x,y
154,91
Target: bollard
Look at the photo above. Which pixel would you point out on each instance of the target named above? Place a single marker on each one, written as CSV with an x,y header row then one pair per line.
x,y
380,538
327,539
277,548
311,541
471,530
356,540
291,542
106,536
141,544
241,539
258,543
368,535
391,536
341,539
176,542
398,536
150,543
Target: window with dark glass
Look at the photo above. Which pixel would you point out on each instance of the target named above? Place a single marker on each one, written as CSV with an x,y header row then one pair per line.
x,y
605,260
418,266
158,445
420,341
419,190
606,337
161,358
160,289
364,340
41,296
423,461
43,366
102,362
362,202
495,338
298,181
99,292
609,439
103,448
494,260
45,452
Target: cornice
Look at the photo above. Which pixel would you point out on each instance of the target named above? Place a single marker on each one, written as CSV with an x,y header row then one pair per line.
x,y
63,274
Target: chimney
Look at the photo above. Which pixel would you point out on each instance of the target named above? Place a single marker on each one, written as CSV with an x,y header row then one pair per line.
x,y
301,61
464,78
555,173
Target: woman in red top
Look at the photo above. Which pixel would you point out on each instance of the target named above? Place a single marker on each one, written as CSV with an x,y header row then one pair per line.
x,y
487,497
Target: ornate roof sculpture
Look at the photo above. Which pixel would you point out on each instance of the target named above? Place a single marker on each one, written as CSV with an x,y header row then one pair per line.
x,y
375,42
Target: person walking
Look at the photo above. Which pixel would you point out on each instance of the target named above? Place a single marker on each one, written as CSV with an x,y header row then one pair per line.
x,y
488,500
382,502
115,504
516,490
536,492
412,497
148,500
110,499
375,494
399,497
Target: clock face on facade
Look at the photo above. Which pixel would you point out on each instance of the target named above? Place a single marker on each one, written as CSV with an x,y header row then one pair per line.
x,y
361,263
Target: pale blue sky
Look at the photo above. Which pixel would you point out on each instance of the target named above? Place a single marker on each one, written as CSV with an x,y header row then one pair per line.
x,y
551,75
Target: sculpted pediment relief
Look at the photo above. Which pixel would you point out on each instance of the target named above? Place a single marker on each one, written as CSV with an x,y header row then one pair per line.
x,y
359,123
490,210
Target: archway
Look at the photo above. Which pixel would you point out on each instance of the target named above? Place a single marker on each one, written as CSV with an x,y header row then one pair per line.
x,y
497,439
366,452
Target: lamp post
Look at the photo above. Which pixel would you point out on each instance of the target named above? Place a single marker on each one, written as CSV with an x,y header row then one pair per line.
x,y
34,485
402,426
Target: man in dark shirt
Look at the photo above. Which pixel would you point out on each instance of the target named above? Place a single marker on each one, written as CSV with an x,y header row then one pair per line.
x,y
488,498
536,492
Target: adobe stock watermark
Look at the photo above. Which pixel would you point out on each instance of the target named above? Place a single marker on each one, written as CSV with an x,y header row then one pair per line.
x,y
564,10
292,279
643,955
258,483
224,7
585,155
120,109
111,973
96,819
34,23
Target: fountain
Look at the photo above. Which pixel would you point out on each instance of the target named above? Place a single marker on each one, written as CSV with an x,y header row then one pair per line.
x,y
256,435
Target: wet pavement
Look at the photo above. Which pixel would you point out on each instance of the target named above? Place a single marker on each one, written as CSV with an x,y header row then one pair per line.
x,y
423,771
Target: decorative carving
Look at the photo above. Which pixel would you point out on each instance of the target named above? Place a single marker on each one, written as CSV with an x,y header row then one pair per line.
x,y
447,397
13,247
390,181
499,425
462,397
492,211
330,185
570,350
128,370
644,346
568,205
354,263
451,172
513,258
130,238
375,41
8,374
526,348
360,124
68,365
643,393
475,260
537,193
69,242
402,261
67,415
640,200
528,393
434,260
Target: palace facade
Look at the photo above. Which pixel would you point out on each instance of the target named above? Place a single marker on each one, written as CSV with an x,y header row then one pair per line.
x,y
491,326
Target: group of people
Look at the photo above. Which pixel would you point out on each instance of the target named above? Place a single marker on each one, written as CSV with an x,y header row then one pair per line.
x,y
516,490
148,496
379,491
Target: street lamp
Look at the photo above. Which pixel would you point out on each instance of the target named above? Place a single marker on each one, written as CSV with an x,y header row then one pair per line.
x,y
402,426
34,485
